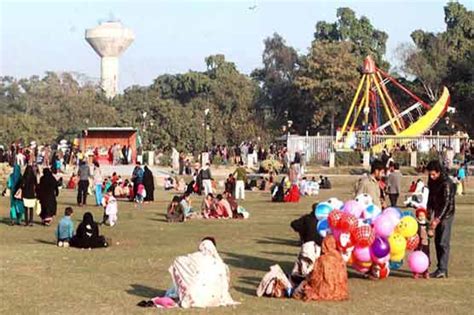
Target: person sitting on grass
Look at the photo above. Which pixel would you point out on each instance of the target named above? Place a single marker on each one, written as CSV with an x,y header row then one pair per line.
x,y
169,183
208,207
223,208
328,280
200,279
186,206
65,229
87,234
238,212
175,212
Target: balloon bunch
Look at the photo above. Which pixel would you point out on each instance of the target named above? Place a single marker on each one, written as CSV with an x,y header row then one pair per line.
x,y
369,239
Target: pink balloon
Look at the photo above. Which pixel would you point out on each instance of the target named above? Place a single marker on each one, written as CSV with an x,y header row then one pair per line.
x,y
360,268
418,262
382,260
384,225
393,214
362,254
354,208
336,233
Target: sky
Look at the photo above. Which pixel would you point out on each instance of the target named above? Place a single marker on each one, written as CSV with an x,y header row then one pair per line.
x,y
176,36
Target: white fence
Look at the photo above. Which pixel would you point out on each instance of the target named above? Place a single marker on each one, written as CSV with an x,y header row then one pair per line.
x,y
317,148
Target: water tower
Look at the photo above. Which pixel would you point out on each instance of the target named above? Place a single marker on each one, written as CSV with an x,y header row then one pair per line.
x,y
109,40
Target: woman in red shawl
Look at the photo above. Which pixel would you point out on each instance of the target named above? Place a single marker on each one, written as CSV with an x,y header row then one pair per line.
x,y
328,280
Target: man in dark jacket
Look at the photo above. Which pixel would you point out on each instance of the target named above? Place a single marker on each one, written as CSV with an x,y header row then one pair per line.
x,y
441,208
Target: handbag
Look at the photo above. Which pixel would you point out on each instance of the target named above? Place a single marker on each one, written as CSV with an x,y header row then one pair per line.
x,y
18,194
37,207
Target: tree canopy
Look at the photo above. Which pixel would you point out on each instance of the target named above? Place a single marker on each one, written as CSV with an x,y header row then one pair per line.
x,y
312,88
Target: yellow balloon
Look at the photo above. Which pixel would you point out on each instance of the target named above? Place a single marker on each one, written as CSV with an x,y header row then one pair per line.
x,y
407,226
398,244
365,264
398,257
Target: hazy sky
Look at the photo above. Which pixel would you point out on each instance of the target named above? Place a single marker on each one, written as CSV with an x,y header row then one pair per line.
x,y
175,36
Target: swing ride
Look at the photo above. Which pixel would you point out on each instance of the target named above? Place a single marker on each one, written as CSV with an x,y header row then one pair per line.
x,y
375,103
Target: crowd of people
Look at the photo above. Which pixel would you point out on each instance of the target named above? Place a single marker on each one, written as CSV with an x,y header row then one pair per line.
x,y
201,279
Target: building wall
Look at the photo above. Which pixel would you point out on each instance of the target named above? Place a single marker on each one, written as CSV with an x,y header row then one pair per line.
x,y
105,139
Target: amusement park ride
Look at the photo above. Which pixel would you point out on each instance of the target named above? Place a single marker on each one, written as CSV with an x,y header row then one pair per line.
x,y
376,105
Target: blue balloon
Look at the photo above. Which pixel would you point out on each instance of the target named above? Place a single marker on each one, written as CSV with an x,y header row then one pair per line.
x,y
407,213
372,211
395,265
323,227
322,210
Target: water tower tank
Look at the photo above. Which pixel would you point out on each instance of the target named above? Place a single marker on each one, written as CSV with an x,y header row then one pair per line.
x,y
109,40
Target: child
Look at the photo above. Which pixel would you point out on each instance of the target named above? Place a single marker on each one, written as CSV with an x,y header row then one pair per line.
x,y
110,208
65,230
425,234
141,194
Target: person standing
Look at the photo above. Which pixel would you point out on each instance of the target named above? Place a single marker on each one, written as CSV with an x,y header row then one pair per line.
x,y
206,178
137,177
84,174
16,204
461,175
149,183
369,184
47,193
241,177
98,180
441,207
28,186
394,183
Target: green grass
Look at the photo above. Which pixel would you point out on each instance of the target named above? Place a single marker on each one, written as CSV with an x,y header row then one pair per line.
x,y
39,278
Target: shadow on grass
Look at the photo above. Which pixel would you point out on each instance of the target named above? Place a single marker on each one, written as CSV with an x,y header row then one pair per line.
x,y
393,273
159,220
279,253
401,274
45,242
253,262
352,274
144,291
279,241
6,221
246,291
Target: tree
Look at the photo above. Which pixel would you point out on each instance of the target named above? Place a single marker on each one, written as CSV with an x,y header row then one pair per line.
x,y
327,82
276,79
445,59
365,38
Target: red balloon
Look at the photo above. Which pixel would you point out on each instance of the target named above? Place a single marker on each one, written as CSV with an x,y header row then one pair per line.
x,y
348,222
413,242
364,235
334,218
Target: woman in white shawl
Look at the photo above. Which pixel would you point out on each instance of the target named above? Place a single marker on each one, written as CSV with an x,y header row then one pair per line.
x,y
201,279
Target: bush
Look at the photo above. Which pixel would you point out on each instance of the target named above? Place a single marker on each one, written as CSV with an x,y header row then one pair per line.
x,y
271,165
349,158
217,161
402,158
165,160
425,157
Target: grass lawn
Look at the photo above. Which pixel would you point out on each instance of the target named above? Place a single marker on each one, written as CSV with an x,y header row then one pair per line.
x,y
39,278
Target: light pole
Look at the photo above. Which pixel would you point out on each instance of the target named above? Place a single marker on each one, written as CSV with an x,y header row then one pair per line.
x,y
206,113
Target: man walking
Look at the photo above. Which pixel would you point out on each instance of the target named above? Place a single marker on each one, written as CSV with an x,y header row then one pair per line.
x,y
394,182
441,208
241,177
84,175
206,179
369,184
